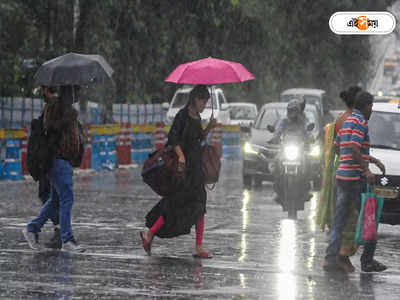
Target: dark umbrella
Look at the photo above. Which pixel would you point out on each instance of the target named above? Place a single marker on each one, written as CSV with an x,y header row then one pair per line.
x,y
73,69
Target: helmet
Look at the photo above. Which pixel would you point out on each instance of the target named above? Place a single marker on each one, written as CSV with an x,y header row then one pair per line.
x,y
302,102
293,109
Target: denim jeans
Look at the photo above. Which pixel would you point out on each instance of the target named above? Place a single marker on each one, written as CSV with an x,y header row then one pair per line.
x,y
347,193
60,177
44,195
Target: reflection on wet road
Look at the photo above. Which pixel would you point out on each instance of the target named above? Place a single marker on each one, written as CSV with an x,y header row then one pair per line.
x,y
258,253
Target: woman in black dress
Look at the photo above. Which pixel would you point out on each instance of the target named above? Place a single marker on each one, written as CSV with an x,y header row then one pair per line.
x,y
175,215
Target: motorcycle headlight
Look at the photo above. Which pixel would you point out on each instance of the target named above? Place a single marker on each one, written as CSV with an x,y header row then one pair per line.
x,y
291,152
315,151
248,148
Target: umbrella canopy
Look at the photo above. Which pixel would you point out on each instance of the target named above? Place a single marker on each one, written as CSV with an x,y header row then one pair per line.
x,y
73,69
209,71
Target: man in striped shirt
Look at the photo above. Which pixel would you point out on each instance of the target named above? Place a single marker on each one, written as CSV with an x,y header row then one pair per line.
x,y
352,145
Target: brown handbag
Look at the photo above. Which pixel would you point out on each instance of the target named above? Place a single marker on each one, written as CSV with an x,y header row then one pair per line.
x,y
160,171
211,164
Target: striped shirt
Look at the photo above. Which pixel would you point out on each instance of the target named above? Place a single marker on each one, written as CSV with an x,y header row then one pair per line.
x,y
353,132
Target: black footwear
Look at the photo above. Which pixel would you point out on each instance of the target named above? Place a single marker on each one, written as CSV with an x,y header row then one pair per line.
x,y
373,266
55,241
345,264
277,199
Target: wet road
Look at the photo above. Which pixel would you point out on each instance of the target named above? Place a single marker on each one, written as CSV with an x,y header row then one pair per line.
x,y
258,253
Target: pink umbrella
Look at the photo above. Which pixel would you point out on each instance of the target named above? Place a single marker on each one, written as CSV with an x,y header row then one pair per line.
x,y
209,71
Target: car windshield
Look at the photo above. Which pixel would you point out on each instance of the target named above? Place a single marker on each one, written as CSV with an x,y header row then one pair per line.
x,y
310,99
242,112
384,130
181,99
274,114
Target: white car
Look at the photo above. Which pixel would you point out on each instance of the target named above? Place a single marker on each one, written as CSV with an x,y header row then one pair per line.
x,y
384,130
181,98
242,113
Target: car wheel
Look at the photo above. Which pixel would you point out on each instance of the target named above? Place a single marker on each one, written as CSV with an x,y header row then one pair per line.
x,y
247,179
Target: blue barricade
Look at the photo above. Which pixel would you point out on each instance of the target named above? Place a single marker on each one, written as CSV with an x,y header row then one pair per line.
x,y
96,160
12,169
1,160
104,154
110,162
231,144
142,145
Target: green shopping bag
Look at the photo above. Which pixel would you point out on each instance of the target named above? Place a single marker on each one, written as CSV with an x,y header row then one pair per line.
x,y
370,204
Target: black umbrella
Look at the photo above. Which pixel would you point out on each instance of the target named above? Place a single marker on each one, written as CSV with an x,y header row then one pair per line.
x,y
73,69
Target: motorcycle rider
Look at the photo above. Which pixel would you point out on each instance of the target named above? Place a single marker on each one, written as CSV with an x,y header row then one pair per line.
x,y
294,121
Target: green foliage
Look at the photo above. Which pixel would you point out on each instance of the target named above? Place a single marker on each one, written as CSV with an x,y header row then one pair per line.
x,y
283,43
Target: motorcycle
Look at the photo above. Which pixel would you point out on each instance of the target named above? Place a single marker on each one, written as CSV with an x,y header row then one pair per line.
x,y
292,170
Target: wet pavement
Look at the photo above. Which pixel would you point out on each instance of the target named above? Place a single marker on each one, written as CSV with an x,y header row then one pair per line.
x,y
258,253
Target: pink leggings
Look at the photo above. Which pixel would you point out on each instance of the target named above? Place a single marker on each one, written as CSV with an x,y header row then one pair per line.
x,y
199,229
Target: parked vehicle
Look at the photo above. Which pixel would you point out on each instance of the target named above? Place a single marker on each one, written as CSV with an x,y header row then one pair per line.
x,y
181,98
382,98
258,156
389,65
242,113
384,130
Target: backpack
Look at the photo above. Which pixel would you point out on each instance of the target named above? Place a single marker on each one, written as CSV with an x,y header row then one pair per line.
x,y
39,154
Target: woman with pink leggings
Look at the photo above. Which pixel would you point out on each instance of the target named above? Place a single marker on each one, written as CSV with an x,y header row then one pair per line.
x,y
175,215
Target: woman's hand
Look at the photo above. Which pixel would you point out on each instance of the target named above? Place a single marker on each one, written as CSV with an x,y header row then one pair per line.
x,y
212,124
181,159
381,166
370,177
181,166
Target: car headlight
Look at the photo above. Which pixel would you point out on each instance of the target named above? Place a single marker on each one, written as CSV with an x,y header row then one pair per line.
x,y
291,152
248,148
315,151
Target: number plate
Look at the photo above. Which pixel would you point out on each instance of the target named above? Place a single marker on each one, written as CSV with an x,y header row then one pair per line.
x,y
291,163
389,193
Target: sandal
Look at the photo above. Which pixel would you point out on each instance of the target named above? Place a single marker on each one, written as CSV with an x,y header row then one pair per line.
x,y
146,245
203,254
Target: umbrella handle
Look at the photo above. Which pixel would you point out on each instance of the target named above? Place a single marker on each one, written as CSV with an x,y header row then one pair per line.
x,y
212,101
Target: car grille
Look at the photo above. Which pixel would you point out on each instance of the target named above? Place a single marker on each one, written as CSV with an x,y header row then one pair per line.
x,y
388,181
